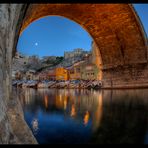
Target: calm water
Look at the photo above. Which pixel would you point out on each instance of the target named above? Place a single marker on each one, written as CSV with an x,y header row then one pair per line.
x,y
86,116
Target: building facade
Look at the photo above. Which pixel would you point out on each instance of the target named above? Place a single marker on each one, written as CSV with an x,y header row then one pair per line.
x,y
30,75
89,72
61,73
75,71
52,74
75,53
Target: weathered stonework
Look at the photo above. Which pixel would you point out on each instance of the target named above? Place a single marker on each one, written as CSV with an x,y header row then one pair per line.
x,y
11,16
126,77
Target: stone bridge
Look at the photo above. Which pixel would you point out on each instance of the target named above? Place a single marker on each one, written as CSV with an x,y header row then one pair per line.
x,y
121,46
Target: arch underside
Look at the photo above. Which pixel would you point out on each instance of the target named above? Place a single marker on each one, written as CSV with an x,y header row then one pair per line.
x,y
115,30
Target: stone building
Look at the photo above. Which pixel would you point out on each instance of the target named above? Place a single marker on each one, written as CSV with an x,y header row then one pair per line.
x,y
30,75
89,72
71,54
74,56
75,53
61,73
86,69
43,76
75,71
52,74
18,75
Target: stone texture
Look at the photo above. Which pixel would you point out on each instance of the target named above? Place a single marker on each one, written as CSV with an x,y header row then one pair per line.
x,y
19,126
11,16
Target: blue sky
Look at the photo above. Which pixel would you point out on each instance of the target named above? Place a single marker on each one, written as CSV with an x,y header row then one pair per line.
x,y
142,10
53,35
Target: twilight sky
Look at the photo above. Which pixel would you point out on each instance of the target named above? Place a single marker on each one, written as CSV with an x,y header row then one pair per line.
x,y
142,10
52,35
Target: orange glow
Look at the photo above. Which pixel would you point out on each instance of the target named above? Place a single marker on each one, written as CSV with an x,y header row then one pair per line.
x,y
75,72
98,114
46,101
73,111
61,73
65,102
86,118
59,101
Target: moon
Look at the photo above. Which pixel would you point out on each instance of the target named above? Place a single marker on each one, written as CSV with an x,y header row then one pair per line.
x,y
36,44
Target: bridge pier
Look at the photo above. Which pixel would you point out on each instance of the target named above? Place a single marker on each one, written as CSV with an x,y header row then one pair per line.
x,y
130,76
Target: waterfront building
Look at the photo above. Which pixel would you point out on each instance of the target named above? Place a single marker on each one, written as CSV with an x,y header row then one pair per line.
x,y
51,74
30,74
18,75
43,76
75,71
61,73
89,72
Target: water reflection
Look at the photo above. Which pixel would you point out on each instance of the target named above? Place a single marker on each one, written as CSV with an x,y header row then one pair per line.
x,y
73,111
86,116
46,101
99,111
35,126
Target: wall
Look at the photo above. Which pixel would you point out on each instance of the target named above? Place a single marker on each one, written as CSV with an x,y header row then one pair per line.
x,y
11,115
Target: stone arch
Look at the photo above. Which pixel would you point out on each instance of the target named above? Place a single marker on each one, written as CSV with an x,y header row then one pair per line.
x,y
116,30
110,27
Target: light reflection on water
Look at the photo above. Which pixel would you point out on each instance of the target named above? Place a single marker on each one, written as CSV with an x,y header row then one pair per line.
x,y
86,116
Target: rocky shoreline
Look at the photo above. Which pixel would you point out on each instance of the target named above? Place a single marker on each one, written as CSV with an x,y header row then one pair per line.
x,y
75,84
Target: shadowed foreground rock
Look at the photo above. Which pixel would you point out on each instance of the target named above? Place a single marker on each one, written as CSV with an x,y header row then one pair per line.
x,y
13,128
20,128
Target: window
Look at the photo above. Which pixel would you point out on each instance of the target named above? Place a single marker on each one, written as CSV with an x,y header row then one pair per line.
x,y
78,69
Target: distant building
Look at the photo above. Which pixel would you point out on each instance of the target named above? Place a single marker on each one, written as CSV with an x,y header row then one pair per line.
x,y
61,73
18,75
75,53
89,72
75,71
48,58
74,56
71,73
30,74
36,77
52,74
43,76
84,69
